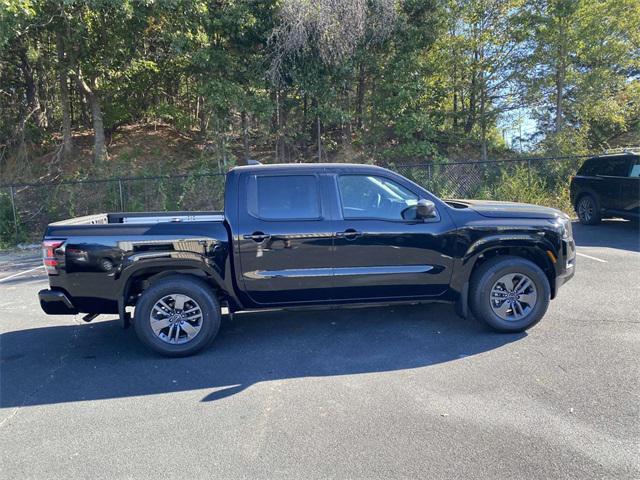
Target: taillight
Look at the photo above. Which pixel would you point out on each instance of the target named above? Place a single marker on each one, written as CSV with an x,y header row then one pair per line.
x,y
49,255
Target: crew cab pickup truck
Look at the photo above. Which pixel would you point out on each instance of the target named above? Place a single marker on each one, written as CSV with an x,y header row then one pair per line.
x,y
299,235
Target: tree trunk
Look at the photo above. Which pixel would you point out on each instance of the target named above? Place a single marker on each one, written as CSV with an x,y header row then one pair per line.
x,y
483,127
471,115
99,144
31,90
314,127
245,137
483,109
319,140
454,76
283,120
277,119
202,120
305,108
360,95
455,108
67,142
559,80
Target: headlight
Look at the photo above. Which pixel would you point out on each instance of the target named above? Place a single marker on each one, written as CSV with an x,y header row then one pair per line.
x,y
565,226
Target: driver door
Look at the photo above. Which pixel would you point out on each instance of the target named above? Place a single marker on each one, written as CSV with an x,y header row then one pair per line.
x,y
380,250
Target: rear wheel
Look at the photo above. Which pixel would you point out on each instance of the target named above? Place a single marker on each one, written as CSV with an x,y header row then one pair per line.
x,y
177,316
510,294
587,210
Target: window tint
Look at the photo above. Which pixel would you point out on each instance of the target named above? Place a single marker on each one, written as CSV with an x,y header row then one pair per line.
x,y
285,197
589,167
613,167
367,196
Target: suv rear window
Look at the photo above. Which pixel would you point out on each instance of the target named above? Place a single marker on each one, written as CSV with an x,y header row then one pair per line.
x,y
607,166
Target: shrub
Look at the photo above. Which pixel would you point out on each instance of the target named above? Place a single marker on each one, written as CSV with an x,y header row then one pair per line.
x,y
527,185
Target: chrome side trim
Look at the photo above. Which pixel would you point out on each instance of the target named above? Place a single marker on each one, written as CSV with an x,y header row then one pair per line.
x,y
343,271
383,270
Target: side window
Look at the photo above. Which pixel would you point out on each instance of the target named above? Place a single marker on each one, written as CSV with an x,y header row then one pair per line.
x,y
635,169
613,167
589,167
284,197
368,196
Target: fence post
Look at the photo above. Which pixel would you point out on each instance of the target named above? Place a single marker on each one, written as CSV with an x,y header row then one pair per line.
x,y
429,174
529,170
121,195
15,215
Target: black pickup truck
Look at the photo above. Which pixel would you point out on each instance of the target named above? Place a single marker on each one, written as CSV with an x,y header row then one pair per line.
x,y
301,235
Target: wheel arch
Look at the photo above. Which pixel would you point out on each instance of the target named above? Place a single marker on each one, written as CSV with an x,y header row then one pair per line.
x,y
533,253
539,251
136,282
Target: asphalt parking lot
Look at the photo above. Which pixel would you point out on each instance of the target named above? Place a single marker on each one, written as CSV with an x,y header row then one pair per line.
x,y
411,391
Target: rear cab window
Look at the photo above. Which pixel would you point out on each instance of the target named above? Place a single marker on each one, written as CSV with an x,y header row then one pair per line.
x,y
284,197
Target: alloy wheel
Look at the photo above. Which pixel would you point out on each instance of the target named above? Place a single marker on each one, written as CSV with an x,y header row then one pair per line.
x,y
176,318
513,296
586,209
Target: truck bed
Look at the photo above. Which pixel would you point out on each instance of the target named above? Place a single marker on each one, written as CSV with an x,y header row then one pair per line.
x,y
141,218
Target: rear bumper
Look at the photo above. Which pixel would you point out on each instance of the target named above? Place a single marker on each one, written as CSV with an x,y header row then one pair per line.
x,y
55,302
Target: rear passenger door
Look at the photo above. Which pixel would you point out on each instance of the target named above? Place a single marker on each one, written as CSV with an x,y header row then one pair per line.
x,y
611,174
285,252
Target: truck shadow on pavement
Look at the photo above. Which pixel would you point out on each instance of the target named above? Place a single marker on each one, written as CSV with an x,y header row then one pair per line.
x,y
101,361
618,234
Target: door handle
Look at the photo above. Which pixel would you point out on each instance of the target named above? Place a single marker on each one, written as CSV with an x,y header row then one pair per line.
x,y
349,234
257,237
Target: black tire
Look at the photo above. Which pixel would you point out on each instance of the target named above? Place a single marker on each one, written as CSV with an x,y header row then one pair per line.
x,y
196,290
588,210
490,272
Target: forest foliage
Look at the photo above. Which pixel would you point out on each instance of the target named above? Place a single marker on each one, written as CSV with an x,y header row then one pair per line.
x,y
385,81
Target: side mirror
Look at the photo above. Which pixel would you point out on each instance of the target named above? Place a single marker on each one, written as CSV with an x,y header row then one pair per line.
x,y
425,209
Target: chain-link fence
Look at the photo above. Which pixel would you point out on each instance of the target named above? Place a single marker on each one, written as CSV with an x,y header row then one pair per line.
x,y
26,209
495,178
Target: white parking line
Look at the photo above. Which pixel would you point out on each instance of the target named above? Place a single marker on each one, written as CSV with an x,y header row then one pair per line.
x,y
591,258
20,273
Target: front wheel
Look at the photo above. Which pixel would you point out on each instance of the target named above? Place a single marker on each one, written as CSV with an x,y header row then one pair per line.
x,y
177,316
510,294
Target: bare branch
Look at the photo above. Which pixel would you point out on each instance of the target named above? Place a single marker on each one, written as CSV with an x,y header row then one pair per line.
x,y
332,29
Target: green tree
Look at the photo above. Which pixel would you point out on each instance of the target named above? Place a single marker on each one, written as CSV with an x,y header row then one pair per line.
x,y
584,87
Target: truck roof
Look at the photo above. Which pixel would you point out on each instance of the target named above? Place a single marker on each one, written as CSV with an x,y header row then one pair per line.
x,y
310,167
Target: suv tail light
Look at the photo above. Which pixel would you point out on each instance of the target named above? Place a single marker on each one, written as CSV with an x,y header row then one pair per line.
x,y
49,259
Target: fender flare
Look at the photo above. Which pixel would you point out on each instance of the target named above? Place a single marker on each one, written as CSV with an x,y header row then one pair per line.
x,y
531,241
188,264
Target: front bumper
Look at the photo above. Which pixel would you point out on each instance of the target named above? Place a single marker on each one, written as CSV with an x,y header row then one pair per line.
x,y
55,302
568,269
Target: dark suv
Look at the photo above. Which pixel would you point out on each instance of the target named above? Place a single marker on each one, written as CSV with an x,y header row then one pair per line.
x,y
607,186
